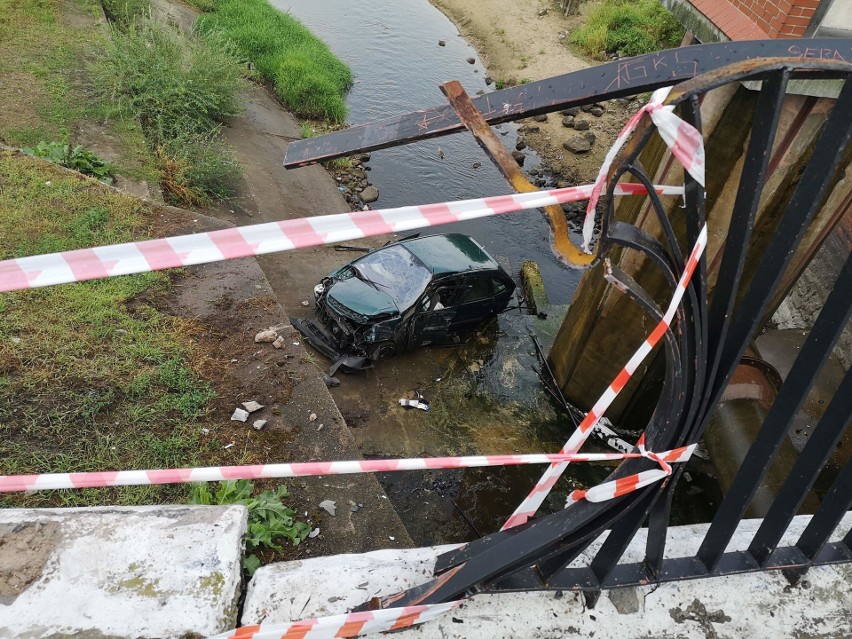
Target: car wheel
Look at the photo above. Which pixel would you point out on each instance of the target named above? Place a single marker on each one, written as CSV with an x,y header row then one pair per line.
x,y
381,350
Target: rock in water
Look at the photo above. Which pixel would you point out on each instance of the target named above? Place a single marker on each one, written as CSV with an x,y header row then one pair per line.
x,y
519,157
370,194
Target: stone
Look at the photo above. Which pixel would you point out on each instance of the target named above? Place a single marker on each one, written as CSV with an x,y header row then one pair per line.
x,y
625,600
529,128
279,343
442,43
122,572
577,144
259,424
313,417
330,381
329,506
568,121
471,60
252,406
369,194
306,303
596,111
519,157
581,124
268,336
573,111
521,145
540,118
542,12
239,415
489,80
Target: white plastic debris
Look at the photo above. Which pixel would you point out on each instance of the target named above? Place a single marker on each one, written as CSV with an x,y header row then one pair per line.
x,y
252,406
420,403
227,446
239,415
391,537
205,431
329,506
313,417
259,424
314,533
306,303
320,427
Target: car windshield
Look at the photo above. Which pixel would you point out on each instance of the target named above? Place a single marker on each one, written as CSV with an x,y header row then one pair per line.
x,y
397,272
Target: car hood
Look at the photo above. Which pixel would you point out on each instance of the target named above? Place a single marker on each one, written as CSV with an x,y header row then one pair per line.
x,y
361,298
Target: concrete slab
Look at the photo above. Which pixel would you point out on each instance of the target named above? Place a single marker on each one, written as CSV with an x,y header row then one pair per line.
x,y
755,605
151,571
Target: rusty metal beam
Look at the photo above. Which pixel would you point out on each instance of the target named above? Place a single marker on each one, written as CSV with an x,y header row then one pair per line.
x,y
470,116
626,77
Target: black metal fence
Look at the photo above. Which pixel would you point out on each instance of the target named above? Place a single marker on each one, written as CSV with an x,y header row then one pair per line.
x,y
713,329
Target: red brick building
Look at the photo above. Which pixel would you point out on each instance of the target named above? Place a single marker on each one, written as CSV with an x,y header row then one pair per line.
x,y
714,20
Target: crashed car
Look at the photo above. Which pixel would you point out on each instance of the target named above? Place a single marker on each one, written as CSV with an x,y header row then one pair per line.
x,y
414,292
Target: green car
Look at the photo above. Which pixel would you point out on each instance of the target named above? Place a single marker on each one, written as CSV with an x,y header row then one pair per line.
x,y
418,291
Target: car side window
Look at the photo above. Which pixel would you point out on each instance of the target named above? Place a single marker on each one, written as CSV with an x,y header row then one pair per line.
x,y
480,289
499,286
444,297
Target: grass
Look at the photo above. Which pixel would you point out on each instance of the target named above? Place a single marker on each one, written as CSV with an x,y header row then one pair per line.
x,y
90,377
181,105
310,80
627,28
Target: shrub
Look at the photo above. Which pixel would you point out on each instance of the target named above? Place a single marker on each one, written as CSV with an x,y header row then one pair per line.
x,y
171,83
627,27
269,520
76,158
310,80
198,168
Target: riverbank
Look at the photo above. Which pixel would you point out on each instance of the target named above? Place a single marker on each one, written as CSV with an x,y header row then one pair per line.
x,y
526,40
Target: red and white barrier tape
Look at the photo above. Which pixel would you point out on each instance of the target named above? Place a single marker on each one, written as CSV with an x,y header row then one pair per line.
x,y
54,481
684,141
259,239
353,624
531,504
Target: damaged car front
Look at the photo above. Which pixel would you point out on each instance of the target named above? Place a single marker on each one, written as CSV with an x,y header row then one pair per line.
x,y
362,306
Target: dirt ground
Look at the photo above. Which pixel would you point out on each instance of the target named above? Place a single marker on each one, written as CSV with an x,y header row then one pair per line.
x,y
526,40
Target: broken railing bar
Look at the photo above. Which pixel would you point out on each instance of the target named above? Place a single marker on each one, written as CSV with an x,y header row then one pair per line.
x,y
621,78
499,154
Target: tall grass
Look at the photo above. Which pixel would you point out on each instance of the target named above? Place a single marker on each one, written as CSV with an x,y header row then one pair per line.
x,y
181,89
307,76
627,27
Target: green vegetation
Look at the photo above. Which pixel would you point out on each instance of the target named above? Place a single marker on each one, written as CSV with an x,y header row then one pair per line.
x,y
626,28
181,106
269,520
91,378
124,12
75,158
305,74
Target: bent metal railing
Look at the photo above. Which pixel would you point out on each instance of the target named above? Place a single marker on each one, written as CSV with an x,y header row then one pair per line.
x,y
713,328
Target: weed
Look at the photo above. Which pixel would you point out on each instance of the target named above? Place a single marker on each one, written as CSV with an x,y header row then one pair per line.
x,y
627,28
269,520
124,12
198,168
75,158
304,72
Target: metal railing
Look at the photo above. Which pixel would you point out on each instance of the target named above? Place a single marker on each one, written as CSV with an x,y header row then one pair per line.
x,y
716,323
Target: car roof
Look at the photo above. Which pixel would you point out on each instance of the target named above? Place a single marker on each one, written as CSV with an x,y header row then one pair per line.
x,y
450,253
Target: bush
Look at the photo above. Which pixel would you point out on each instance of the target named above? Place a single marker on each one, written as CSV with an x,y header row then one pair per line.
x,y
306,75
76,158
627,28
171,83
198,168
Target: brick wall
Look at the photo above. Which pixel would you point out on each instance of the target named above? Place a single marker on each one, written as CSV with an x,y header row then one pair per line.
x,y
749,19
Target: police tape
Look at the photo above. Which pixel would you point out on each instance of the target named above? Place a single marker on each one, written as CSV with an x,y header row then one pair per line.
x,y
259,239
537,495
352,624
104,479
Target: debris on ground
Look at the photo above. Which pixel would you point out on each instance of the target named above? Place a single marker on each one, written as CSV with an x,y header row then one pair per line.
x,y
314,533
239,415
279,342
419,403
266,336
313,417
259,424
329,506
330,381
252,406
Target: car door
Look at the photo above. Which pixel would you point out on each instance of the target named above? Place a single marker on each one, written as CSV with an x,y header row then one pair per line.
x,y
476,304
436,313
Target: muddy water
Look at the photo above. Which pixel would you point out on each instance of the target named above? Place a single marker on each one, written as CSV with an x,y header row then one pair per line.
x,y
484,395
392,47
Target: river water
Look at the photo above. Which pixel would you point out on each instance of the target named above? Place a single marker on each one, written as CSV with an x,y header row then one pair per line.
x,y
392,47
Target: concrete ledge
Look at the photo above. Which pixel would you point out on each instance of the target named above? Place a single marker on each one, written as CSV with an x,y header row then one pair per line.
x,y
756,604
156,571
